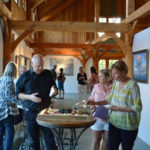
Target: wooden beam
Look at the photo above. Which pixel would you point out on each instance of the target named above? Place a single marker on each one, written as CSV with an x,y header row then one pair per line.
x,y
130,7
122,45
73,45
57,11
69,26
109,46
36,3
20,38
59,52
60,45
105,51
132,32
100,39
97,10
4,11
139,13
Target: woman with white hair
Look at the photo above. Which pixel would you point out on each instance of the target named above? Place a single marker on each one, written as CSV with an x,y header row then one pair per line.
x,y
8,107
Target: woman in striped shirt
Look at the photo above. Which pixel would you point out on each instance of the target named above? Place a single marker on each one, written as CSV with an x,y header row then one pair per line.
x,y
125,109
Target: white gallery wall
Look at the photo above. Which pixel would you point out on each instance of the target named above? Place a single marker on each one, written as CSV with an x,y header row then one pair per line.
x,y
142,41
70,84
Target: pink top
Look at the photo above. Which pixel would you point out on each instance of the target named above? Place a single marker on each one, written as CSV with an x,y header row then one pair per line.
x,y
99,93
93,79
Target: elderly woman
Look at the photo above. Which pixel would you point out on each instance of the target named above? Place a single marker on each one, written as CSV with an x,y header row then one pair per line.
x,y
125,109
100,92
8,107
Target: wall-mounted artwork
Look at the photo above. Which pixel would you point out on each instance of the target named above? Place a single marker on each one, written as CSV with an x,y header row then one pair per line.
x,y
22,60
17,59
141,66
28,62
65,63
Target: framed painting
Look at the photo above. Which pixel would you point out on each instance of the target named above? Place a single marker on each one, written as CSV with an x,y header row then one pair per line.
x,y
17,59
22,60
141,66
28,62
65,63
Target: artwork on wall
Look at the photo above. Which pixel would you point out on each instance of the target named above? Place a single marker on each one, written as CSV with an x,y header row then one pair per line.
x,y
17,59
28,63
141,66
23,61
65,63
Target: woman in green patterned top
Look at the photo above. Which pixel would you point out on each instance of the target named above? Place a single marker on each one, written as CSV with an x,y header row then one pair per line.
x,y
125,109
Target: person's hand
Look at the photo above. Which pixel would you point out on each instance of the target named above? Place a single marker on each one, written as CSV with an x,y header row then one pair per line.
x,y
90,102
34,98
55,92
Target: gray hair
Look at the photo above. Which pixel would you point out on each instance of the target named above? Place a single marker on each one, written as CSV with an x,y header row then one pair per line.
x,y
37,57
10,69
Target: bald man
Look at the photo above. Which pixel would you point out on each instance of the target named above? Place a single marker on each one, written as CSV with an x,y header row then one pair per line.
x,y
33,88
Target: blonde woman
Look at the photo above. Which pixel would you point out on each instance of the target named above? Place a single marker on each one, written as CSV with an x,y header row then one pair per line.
x,y
99,93
8,107
125,109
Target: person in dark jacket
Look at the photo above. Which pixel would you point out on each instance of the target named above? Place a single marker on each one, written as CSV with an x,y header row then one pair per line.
x,y
33,88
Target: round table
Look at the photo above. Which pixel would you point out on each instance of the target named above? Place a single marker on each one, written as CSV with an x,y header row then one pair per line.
x,y
58,126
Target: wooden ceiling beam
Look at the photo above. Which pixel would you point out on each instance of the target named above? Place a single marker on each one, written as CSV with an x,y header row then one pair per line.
x,y
36,3
57,10
60,45
4,11
72,45
60,52
69,26
139,13
108,55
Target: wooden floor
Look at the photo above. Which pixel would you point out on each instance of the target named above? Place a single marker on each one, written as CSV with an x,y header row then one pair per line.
x,y
86,139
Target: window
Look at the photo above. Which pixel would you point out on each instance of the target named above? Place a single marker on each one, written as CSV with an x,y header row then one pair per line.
x,y
102,20
16,1
115,20
111,62
109,20
102,64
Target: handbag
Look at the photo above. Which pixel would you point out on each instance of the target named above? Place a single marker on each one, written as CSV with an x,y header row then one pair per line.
x,y
101,112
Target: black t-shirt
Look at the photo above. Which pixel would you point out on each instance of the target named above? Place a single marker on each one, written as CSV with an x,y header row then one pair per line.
x,y
30,82
82,81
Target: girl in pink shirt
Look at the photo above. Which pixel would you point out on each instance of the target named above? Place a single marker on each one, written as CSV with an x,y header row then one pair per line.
x,y
99,93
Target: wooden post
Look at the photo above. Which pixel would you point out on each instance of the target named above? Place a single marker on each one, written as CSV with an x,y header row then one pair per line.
x,y
7,43
95,59
107,63
128,59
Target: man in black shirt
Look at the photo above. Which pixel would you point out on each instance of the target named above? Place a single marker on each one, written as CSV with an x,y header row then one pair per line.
x,y
54,72
33,88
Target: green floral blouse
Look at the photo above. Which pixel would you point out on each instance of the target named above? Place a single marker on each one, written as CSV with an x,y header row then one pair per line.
x,y
128,96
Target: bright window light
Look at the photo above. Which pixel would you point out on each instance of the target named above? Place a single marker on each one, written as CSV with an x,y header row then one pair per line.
x,y
114,20
118,34
102,20
100,33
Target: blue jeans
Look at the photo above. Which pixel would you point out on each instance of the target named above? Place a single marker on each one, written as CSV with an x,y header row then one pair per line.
x,y
7,129
60,85
33,132
117,136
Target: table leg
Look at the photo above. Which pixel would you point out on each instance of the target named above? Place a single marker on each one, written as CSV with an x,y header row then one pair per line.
x,y
59,137
77,138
